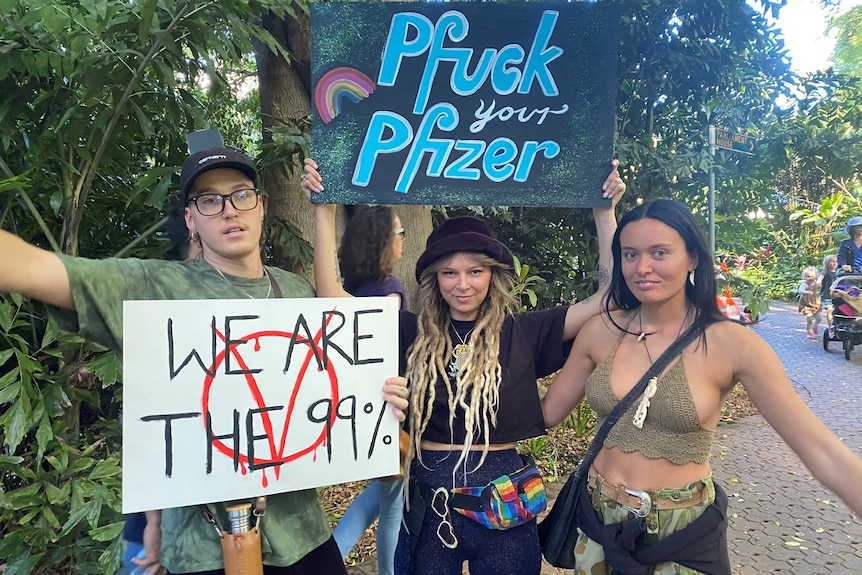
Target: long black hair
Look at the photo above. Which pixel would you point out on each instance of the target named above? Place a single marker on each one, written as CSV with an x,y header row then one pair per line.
x,y
676,215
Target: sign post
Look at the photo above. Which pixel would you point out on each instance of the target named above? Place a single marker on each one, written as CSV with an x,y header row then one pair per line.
x,y
726,140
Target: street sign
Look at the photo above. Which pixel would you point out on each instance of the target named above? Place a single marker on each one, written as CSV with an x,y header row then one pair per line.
x,y
734,142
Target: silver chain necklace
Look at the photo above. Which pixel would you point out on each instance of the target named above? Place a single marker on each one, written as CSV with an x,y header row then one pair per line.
x,y
265,273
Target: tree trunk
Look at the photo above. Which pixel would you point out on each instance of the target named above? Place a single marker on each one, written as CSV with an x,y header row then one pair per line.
x,y
285,100
417,225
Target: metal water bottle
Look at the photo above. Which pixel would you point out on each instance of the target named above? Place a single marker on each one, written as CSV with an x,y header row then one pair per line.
x,y
240,517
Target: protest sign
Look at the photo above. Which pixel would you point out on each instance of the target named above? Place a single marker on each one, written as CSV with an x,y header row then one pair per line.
x,y
229,399
464,103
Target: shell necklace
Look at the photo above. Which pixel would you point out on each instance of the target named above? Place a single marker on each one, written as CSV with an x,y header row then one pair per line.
x,y
460,352
652,385
265,273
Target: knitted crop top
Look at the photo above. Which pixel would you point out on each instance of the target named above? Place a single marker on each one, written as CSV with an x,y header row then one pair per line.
x,y
672,429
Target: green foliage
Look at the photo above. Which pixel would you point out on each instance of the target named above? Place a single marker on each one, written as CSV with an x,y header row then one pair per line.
x,y
825,222
543,450
526,285
98,95
60,483
582,420
847,30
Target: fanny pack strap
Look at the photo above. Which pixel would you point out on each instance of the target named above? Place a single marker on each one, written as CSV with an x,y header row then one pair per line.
x,y
456,500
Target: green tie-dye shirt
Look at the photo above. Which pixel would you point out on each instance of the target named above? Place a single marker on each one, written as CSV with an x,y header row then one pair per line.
x,y
294,523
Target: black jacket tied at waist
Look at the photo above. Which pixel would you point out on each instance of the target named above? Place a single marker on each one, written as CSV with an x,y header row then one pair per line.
x,y
701,546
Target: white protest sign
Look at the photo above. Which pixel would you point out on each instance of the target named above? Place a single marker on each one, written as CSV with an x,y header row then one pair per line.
x,y
229,399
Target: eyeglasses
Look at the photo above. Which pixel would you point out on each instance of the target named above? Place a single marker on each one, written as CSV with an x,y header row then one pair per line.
x,y
398,232
440,505
213,204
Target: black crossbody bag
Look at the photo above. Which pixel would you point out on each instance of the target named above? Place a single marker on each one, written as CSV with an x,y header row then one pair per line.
x,y
558,532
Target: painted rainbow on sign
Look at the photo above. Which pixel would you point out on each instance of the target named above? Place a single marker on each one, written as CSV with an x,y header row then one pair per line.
x,y
340,83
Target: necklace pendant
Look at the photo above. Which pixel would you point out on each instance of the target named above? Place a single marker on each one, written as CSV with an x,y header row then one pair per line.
x,y
641,413
460,355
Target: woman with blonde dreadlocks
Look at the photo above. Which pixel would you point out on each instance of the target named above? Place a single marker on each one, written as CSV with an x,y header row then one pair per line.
x,y
472,367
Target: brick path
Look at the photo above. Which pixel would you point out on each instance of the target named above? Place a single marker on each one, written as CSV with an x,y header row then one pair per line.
x,y
781,519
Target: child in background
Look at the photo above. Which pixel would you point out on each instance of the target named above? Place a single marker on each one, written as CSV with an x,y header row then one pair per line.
x,y
824,280
809,300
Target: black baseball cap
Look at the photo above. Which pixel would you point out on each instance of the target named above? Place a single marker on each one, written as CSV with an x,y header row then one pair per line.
x,y
212,158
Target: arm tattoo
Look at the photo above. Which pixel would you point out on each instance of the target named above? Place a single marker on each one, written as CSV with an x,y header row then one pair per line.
x,y
603,276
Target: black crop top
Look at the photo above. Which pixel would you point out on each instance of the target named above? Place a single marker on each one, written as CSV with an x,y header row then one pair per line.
x,y
531,347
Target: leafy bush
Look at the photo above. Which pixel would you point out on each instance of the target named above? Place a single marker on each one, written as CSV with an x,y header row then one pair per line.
x,y
60,486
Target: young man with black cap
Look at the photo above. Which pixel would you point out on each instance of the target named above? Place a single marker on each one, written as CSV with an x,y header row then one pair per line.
x,y
224,214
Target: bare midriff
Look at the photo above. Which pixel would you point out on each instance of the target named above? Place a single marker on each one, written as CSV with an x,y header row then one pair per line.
x,y
637,472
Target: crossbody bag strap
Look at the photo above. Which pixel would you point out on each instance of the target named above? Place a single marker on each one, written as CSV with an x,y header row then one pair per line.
x,y
275,289
622,406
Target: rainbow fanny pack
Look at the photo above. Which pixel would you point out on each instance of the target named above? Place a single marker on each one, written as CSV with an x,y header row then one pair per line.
x,y
506,502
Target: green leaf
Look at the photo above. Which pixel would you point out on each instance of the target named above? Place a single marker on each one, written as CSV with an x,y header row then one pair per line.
x,y
57,495
44,435
106,468
147,20
107,532
24,497
8,461
15,424
12,543
51,518
107,367
7,313
23,565
4,357
10,392
81,464
78,514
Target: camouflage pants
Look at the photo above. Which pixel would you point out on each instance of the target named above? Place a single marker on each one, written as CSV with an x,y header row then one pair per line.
x,y
590,556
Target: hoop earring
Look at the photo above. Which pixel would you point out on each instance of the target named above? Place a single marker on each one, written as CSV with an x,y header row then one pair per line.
x,y
195,237
691,277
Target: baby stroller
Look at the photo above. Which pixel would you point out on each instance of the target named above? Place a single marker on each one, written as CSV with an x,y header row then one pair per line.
x,y
846,293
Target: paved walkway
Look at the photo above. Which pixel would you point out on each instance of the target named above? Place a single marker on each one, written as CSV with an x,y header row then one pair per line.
x,y
781,519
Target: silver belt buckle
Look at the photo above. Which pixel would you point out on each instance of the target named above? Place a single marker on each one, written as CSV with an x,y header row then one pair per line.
x,y
646,502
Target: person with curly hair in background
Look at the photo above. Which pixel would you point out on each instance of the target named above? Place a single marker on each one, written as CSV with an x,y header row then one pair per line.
x,y
372,242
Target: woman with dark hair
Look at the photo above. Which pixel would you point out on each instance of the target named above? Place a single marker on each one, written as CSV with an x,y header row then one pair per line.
x,y
471,364
652,476
372,242
371,245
